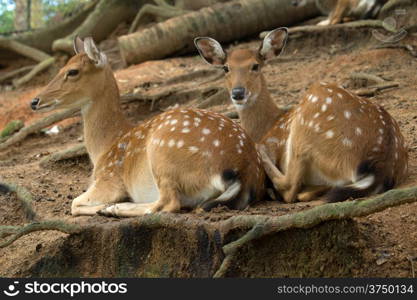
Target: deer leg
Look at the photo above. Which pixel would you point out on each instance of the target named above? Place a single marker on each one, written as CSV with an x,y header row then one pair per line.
x,y
168,201
312,193
271,170
98,196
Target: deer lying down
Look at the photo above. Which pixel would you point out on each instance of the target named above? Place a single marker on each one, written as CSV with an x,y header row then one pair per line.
x,y
332,141
182,158
340,11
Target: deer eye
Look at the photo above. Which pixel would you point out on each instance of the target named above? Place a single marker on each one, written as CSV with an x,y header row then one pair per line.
x,y
72,72
255,67
226,69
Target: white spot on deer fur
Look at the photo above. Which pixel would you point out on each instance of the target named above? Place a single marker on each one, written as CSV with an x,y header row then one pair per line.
x,y
311,124
216,143
323,107
330,90
347,142
160,126
241,143
166,122
206,131
381,130
383,122
172,129
314,99
316,115
193,149
202,139
169,117
206,153
161,143
347,114
185,130
221,152
375,149
364,183
396,155
329,134
329,118
180,143
272,140
339,95
171,143
186,123
239,151
329,100
282,125
379,140
317,128
358,131
122,145
174,121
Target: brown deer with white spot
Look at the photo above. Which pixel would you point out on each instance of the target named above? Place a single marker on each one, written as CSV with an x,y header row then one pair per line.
x,y
332,142
340,11
182,158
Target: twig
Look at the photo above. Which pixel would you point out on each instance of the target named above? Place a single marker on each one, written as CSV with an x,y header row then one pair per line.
x,y
39,68
262,225
45,225
24,196
38,125
411,260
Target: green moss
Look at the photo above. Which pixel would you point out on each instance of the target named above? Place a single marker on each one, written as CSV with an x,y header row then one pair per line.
x,y
11,128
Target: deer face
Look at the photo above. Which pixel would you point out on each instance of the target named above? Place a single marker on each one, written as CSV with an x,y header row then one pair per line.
x,y
71,87
243,66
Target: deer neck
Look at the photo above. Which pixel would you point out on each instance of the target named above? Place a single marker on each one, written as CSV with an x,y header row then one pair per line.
x,y
103,118
261,115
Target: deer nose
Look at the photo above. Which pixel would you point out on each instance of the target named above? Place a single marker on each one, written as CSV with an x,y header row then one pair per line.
x,y
34,103
238,93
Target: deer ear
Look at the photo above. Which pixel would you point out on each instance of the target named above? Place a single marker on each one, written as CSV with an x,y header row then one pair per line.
x,y
78,45
273,43
210,50
97,57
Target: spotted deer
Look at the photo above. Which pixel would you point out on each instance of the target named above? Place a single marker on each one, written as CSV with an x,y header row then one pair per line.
x,y
182,158
333,142
340,11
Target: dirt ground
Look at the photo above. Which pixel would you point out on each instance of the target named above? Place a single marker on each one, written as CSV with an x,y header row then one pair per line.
x,y
391,235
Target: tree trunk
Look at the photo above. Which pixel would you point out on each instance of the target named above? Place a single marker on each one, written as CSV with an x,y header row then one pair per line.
x,y
224,22
101,22
42,39
21,15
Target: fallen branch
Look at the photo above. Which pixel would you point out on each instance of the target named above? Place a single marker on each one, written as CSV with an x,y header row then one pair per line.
x,y
16,72
18,232
366,76
24,196
23,49
261,226
73,152
372,91
38,125
37,69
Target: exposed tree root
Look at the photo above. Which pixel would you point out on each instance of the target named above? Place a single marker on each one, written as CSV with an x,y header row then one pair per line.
x,y
261,226
37,69
409,48
24,50
299,31
20,231
367,77
73,152
16,72
38,125
24,196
